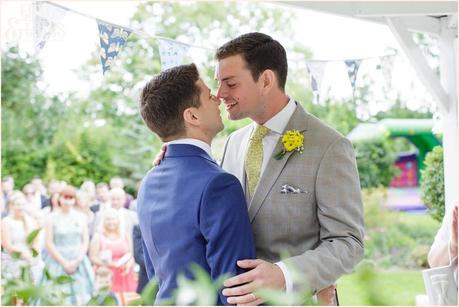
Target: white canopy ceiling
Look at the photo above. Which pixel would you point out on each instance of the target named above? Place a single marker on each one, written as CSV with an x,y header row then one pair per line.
x,y
438,18
418,16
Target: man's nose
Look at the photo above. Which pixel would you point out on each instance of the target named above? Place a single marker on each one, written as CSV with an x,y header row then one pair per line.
x,y
221,93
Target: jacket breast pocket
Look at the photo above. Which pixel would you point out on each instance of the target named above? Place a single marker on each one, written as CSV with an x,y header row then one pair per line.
x,y
286,195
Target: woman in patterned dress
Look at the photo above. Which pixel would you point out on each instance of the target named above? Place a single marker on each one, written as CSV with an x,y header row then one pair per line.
x,y
67,242
16,227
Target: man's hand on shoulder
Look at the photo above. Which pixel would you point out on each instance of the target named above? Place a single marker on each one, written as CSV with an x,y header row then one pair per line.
x,y
262,274
159,156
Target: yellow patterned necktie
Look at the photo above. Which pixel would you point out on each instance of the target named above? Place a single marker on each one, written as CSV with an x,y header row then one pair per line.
x,y
254,157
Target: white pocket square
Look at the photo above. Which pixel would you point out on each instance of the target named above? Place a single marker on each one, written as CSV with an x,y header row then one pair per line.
x,y
288,189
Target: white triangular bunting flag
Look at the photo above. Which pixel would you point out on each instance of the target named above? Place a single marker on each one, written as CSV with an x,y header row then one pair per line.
x,y
387,63
352,70
316,71
171,52
47,19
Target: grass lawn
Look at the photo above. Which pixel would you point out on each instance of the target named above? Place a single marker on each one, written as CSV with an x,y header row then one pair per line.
x,y
382,288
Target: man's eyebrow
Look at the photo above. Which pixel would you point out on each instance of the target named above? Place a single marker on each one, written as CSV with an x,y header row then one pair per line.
x,y
227,78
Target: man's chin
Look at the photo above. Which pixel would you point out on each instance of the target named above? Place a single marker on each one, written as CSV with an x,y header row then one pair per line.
x,y
235,116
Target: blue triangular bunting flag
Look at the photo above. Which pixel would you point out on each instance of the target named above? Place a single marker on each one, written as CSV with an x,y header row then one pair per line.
x,y
112,39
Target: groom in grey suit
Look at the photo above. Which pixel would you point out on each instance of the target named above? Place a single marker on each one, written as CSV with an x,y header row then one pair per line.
x,y
307,204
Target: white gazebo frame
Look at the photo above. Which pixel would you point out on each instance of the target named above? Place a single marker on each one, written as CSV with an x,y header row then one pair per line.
x,y
437,18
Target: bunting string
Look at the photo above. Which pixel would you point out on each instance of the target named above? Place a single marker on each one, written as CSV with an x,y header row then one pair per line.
x,y
172,52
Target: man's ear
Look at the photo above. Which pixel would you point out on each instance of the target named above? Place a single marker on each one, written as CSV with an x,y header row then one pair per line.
x,y
190,116
268,80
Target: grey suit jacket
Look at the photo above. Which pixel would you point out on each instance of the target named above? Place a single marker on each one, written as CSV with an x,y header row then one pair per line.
x,y
321,229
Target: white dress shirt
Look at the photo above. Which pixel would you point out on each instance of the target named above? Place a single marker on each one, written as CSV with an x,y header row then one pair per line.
x,y
276,127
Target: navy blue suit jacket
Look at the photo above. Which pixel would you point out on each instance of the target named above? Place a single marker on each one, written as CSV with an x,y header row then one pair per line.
x,y
192,211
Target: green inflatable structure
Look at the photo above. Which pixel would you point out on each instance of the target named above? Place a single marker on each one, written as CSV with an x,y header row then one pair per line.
x,y
417,131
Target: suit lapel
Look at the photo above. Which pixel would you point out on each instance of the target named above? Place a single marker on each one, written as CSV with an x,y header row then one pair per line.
x,y
298,121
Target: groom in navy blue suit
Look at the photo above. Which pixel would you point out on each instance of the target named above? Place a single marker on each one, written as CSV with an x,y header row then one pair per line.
x,y
190,210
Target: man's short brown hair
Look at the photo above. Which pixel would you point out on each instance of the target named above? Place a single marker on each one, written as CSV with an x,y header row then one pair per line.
x,y
261,52
166,96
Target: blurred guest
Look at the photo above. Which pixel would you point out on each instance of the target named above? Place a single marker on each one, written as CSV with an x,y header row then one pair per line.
x,y
138,256
133,205
82,206
33,207
3,207
127,217
117,182
16,227
67,243
7,187
113,249
54,187
102,197
90,188
54,203
39,186
40,192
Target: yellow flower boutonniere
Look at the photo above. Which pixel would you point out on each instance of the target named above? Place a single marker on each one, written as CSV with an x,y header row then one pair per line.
x,y
291,140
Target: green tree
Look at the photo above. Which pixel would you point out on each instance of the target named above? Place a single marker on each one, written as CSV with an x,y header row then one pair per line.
x,y
28,117
375,162
400,110
50,137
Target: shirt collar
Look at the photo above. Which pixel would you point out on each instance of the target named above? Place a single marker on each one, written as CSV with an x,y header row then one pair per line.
x,y
198,143
278,122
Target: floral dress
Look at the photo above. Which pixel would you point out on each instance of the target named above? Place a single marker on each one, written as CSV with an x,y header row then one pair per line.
x,y
67,238
11,268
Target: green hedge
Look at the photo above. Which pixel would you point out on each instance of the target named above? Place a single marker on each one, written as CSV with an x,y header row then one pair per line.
x,y
433,183
375,162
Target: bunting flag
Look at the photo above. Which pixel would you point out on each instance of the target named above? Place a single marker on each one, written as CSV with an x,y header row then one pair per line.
x,y
112,39
386,64
316,71
171,52
352,70
46,20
